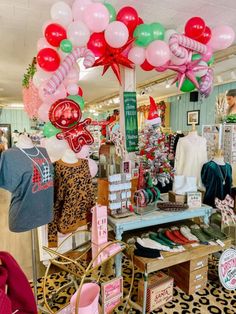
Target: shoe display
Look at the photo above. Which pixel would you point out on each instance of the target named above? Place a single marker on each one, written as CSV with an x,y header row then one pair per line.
x,y
213,232
202,236
185,231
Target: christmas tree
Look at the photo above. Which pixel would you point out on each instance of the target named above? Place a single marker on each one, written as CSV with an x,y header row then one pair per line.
x,y
154,149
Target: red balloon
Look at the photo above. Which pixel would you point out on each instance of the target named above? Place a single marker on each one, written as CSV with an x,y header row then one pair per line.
x,y
205,37
80,92
195,27
55,33
146,66
48,59
97,44
140,21
128,16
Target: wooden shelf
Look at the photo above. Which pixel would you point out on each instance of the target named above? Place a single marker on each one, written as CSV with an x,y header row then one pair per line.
x,y
149,265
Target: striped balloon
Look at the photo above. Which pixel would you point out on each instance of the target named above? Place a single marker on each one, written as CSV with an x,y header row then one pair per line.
x,y
178,44
67,64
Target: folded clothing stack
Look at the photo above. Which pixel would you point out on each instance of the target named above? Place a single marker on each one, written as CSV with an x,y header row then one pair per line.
x,y
172,206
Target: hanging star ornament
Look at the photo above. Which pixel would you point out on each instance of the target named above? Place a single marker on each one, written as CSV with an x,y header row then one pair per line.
x,y
186,71
113,58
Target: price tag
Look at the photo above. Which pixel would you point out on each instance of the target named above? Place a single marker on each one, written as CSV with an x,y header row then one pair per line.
x,y
212,243
220,243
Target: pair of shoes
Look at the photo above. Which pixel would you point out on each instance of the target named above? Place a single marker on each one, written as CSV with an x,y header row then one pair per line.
x,y
146,252
167,248
180,236
187,233
202,236
170,235
213,232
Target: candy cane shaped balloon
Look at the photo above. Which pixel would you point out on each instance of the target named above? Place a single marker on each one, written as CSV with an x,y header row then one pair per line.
x,y
178,44
67,64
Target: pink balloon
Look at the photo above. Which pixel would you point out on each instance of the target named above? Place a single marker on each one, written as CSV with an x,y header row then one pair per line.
x,y
222,37
207,56
137,55
178,61
116,34
43,112
72,89
50,99
78,8
158,53
96,17
84,153
41,76
42,43
93,167
72,77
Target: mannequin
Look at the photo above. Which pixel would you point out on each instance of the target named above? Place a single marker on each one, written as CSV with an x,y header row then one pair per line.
x,y
217,179
73,198
191,154
26,172
219,157
24,142
69,157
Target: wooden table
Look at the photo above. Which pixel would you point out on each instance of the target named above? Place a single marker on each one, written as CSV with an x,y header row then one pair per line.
x,y
149,265
155,218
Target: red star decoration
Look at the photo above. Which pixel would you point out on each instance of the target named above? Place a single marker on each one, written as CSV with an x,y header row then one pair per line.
x,y
113,58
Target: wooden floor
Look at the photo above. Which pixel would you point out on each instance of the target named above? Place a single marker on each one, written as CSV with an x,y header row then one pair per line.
x,y
17,244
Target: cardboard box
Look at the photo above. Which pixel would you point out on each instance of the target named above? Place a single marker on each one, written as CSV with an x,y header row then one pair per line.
x,y
160,291
173,197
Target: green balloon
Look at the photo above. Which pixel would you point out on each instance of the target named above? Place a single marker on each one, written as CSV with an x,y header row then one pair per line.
x,y
211,61
143,35
66,45
158,31
111,10
196,56
49,130
78,99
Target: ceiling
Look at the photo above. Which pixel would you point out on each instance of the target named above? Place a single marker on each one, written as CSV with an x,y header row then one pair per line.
x,y
21,26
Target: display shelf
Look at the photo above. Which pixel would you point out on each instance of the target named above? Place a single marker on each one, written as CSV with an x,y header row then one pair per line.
x,y
229,140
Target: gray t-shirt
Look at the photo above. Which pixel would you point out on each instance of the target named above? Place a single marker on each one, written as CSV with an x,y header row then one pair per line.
x,y
28,175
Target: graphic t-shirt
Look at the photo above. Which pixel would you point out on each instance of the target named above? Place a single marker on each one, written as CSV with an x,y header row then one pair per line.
x,y
28,175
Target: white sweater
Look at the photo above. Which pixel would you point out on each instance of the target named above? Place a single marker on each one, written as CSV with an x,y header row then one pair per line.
x,y
191,154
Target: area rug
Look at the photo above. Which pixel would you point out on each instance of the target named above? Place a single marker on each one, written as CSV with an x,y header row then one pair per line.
x,y
213,299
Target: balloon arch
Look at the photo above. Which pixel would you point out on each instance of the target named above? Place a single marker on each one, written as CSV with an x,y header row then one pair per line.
x,y
103,37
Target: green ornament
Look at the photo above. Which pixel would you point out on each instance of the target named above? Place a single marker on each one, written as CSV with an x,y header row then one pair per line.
x,y
112,11
78,99
158,31
196,56
187,86
49,130
66,45
143,34
211,61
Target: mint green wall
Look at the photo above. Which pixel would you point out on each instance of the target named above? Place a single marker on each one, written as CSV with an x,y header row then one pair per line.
x,y
17,118
179,108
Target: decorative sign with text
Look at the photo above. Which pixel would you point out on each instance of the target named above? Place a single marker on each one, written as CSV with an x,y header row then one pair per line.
x,y
194,199
227,269
131,121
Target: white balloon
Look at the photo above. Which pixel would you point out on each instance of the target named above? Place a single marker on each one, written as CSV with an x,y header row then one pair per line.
x,y
41,76
201,73
55,148
42,43
78,8
72,89
78,33
61,12
168,33
137,55
84,152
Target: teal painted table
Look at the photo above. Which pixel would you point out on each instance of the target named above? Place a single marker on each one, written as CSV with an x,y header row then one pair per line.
x,y
152,219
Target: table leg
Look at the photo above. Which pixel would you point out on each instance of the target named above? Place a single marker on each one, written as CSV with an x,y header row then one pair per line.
x,y
118,257
145,288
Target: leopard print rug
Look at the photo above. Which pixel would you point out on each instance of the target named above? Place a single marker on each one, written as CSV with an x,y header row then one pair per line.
x,y
213,299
